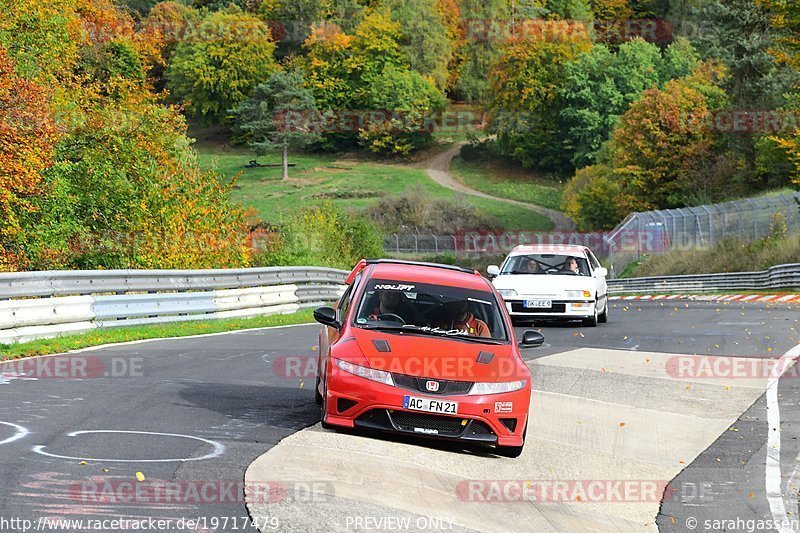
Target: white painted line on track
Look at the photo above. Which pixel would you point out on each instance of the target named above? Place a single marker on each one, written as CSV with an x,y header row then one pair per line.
x,y
143,341
20,432
772,478
219,449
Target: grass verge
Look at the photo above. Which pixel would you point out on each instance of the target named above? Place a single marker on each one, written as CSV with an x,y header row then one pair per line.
x,y
727,256
348,183
505,180
99,337
780,292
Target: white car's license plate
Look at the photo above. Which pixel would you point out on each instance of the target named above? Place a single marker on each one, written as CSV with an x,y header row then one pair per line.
x,y
430,405
538,304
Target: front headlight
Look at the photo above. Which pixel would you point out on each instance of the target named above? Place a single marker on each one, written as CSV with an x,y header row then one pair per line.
x,y
578,294
507,293
375,375
496,388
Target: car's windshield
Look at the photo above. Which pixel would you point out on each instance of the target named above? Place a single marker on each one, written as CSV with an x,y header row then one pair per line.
x,y
558,264
431,309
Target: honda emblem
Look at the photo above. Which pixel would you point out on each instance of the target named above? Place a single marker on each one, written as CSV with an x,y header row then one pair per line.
x,y
432,386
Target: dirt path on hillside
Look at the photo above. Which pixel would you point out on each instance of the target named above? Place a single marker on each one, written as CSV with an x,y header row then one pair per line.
x,y
438,168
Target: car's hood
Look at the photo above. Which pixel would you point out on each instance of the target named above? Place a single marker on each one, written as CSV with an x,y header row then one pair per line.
x,y
543,284
440,358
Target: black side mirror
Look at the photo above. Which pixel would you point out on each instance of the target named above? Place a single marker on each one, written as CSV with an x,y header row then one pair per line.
x,y
327,317
531,339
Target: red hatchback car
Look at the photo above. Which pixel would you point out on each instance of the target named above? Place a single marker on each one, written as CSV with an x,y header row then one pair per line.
x,y
427,350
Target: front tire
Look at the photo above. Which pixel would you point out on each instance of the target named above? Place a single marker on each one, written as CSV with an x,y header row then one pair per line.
x,y
512,451
323,408
591,322
603,318
317,394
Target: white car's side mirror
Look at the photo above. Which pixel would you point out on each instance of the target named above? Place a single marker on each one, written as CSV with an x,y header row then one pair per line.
x,y
601,271
493,271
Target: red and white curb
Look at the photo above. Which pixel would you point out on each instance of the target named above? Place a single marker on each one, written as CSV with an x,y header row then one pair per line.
x,y
776,298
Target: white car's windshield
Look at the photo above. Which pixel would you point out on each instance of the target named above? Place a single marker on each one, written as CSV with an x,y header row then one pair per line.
x,y
547,264
431,309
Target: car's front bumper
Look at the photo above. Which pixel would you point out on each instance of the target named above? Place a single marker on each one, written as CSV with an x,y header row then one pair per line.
x,y
561,309
499,419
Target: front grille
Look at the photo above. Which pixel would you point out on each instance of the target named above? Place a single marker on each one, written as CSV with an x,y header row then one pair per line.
x,y
443,424
519,307
433,425
446,387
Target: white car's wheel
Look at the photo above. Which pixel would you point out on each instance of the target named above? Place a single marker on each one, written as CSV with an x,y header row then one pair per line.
x,y
603,317
591,322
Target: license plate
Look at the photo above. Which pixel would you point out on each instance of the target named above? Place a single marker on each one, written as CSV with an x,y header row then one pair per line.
x,y
538,304
430,405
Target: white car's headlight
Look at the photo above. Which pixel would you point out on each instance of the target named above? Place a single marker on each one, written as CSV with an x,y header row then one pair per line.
x,y
375,375
507,293
496,388
578,294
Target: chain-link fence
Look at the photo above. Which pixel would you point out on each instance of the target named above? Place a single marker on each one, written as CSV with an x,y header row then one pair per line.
x,y
472,244
690,228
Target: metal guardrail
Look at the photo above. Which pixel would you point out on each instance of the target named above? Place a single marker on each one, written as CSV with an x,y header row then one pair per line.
x,y
37,305
777,277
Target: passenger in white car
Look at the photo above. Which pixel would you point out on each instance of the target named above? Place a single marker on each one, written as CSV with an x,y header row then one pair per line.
x,y
533,267
571,265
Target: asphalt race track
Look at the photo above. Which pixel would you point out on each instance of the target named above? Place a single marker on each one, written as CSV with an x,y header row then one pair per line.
x,y
196,413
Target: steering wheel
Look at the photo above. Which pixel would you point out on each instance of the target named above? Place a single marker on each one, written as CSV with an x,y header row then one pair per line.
x,y
391,317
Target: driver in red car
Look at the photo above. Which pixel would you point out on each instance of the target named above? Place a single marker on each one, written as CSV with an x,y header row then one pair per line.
x,y
459,318
389,302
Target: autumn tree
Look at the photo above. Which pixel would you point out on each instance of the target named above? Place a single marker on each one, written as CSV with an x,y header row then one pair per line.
x,y
406,103
611,10
376,47
601,84
786,20
666,148
525,92
740,34
43,38
328,66
551,9
217,68
485,26
166,24
27,137
291,20
424,37
592,198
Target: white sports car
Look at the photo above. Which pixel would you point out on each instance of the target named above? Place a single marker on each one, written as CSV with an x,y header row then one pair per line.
x,y
552,282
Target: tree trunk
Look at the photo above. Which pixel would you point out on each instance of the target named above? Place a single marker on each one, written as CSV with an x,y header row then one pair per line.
x,y
285,161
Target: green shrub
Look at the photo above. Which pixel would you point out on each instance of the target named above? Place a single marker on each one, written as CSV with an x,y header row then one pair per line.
x,y
591,198
322,236
417,211
730,255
